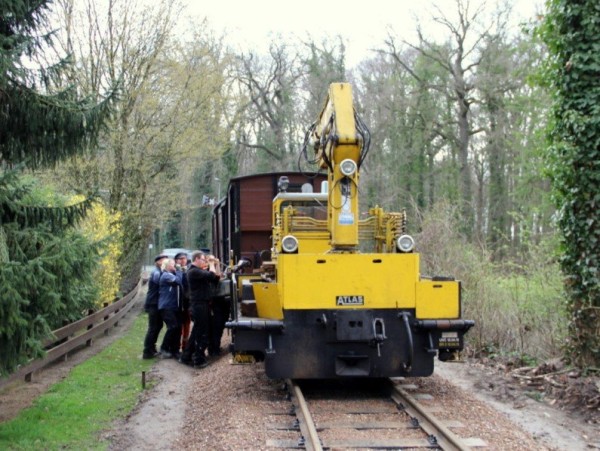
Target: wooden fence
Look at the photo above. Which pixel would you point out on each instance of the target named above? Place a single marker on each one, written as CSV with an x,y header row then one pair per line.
x,y
75,335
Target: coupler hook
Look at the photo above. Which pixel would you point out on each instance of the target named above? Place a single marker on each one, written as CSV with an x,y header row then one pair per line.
x,y
378,333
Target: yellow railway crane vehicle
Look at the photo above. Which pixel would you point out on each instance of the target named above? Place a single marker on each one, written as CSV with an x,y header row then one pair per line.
x,y
343,296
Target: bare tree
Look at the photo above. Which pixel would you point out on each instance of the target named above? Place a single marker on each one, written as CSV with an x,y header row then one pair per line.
x,y
460,57
271,85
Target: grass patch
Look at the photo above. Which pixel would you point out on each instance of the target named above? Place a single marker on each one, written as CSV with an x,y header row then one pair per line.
x,y
73,412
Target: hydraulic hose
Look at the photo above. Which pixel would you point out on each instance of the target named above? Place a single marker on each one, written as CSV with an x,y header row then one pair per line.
x,y
407,366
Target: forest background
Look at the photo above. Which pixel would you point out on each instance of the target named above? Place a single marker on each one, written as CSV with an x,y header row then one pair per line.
x,y
459,140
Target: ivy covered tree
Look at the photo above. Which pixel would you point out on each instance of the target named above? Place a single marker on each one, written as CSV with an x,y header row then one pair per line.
x,y
45,264
571,30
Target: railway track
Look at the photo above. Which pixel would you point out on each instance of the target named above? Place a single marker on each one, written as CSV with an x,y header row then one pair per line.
x,y
383,415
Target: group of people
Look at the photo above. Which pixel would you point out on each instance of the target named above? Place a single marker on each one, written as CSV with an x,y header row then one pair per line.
x,y
179,294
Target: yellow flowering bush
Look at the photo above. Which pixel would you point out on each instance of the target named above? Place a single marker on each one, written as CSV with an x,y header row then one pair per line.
x,y
105,229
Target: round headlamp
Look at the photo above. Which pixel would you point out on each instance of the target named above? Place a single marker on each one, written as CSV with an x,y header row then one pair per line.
x,y
405,243
348,167
289,244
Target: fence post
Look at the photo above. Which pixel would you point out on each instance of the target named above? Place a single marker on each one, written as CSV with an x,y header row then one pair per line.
x,y
106,317
116,311
88,343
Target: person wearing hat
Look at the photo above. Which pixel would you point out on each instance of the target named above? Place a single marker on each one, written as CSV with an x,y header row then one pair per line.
x,y
151,308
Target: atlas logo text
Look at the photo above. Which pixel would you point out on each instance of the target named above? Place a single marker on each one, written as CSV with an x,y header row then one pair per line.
x,y
350,300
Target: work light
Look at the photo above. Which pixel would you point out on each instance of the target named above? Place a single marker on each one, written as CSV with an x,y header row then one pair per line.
x,y
289,244
405,243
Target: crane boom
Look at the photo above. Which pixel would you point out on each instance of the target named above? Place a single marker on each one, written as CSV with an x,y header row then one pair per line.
x,y
337,145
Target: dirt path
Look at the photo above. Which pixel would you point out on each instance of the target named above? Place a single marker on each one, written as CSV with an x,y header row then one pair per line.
x,y
157,421
546,424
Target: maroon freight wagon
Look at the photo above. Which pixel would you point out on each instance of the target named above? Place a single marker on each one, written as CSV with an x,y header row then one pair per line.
x,y
241,221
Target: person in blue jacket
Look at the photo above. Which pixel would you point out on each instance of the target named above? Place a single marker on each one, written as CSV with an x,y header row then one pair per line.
x,y
170,299
155,321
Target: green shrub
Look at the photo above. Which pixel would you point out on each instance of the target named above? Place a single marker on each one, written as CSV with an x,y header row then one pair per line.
x,y
518,309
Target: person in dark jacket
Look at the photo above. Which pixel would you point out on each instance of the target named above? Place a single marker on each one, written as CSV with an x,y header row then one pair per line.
x,y
170,288
151,308
200,276
181,262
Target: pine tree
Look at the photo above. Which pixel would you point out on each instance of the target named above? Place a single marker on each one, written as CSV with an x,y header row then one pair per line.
x,y
45,265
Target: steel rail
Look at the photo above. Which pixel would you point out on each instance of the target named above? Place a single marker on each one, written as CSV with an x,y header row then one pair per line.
x,y
307,425
445,438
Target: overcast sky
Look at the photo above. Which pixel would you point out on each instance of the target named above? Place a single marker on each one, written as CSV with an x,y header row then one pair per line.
x,y
363,25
